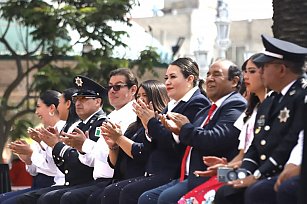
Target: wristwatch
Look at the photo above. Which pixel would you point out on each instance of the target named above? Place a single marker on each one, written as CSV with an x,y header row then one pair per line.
x,y
257,174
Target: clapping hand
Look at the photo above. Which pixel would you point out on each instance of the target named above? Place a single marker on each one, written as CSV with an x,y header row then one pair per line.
x,y
49,135
34,134
213,163
143,111
22,149
74,139
174,121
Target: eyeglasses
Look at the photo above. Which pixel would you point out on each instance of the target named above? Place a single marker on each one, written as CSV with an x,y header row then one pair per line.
x,y
116,87
82,99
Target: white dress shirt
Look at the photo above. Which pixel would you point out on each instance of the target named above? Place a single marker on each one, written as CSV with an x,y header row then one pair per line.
x,y
42,161
297,152
97,152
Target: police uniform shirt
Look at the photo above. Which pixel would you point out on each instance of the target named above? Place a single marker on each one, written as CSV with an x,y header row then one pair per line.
x,y
42,161
276,130
88,146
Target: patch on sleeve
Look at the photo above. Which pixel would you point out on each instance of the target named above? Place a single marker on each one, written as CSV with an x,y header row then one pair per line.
x,y
97,132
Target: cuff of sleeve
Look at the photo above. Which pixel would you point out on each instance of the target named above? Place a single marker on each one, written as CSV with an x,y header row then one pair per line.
x,y
36,158
147,136
185,132
88,146
176,138
57,149
249,164
271,167
110,163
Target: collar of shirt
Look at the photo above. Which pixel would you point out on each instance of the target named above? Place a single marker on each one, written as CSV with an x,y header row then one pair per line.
x,y
122,110
87,119
220,101
116,116
172,104
286,88
59,125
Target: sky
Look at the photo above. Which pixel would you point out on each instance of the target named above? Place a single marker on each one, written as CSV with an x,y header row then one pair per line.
x,y
238,9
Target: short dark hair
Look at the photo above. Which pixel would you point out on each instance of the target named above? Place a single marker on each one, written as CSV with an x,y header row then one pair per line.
x,y
130,78
295,67
188,67
235,71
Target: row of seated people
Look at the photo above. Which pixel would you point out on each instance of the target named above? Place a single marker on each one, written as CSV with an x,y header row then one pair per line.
x,y
150,149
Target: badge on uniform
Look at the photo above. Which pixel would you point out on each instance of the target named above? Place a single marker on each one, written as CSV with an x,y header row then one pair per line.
x,y
257,130
284,115
97,132
261,121
79,81
304,83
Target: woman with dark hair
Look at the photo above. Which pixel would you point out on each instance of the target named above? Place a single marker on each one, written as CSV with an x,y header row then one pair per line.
x,y
257,92
37,158
67,110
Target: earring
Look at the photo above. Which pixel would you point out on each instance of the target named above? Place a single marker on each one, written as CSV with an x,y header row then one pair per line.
x,y
51,114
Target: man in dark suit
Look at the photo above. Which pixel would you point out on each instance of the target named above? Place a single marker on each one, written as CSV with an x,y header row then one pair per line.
x,y
278,124
88,101
212,132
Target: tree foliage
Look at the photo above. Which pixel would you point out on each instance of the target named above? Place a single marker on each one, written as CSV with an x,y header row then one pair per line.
x,y
289,20
48,38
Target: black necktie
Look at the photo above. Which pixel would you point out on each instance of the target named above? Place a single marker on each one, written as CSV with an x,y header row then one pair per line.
x,y
81,126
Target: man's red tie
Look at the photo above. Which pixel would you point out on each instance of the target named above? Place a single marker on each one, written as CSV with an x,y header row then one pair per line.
x,y
188,148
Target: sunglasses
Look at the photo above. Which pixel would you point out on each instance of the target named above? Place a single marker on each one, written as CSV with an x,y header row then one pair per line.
x,y
81,98
116,87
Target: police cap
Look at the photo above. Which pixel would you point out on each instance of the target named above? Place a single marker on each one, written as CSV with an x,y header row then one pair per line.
x,y
280,49
88,87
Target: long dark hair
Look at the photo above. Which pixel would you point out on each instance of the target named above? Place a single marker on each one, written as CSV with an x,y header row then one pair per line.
x,y
72,115
157,94
253,99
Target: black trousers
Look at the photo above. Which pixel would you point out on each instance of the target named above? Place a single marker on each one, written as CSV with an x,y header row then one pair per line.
x,y
229,195
81,195
128,191
50,195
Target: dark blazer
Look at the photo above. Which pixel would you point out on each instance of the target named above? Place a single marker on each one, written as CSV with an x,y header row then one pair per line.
x,y
218,138
69,163
166,155
125,166
276,131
